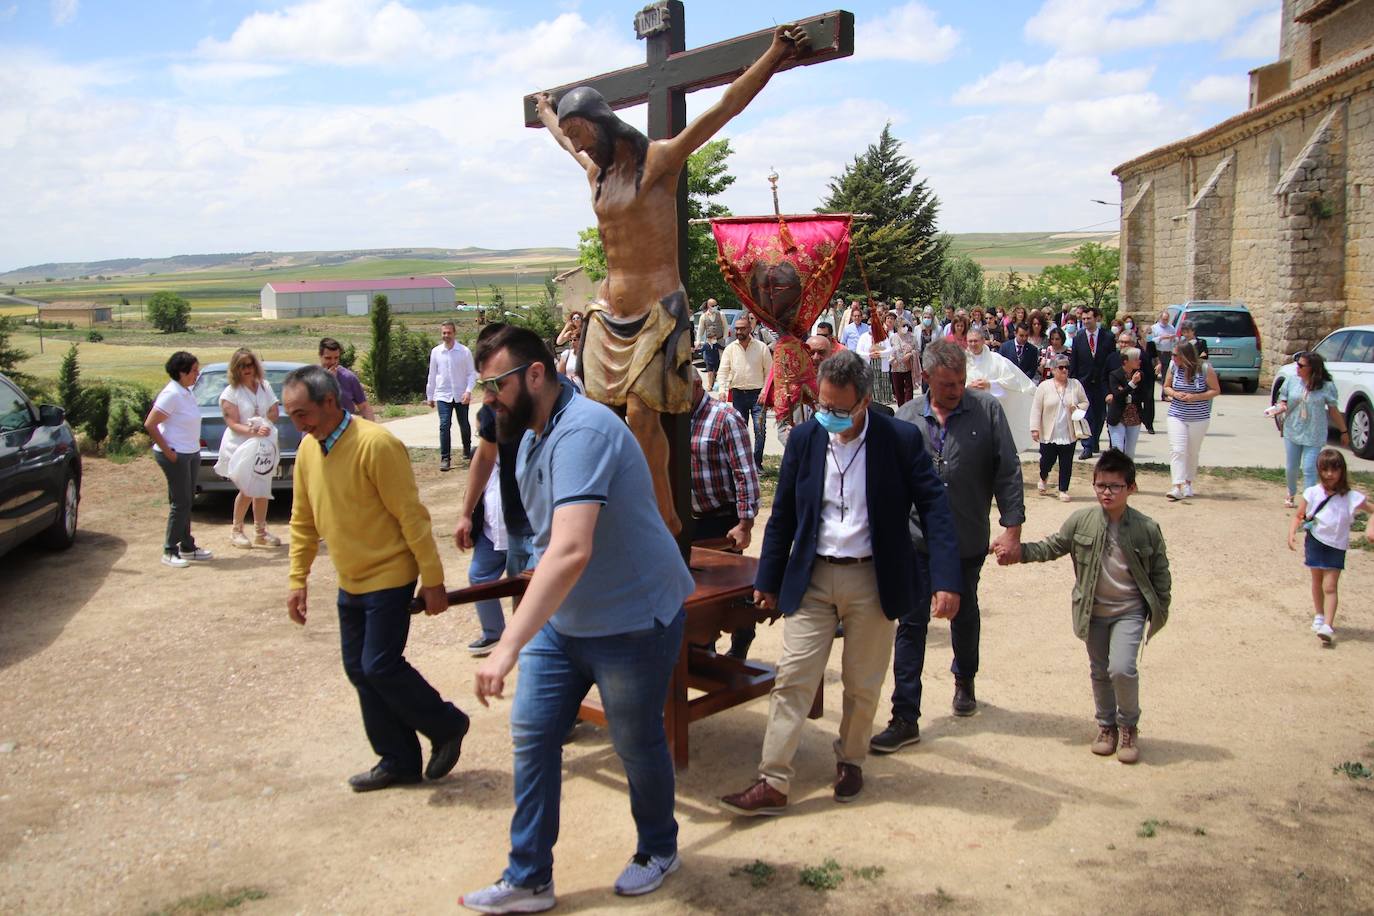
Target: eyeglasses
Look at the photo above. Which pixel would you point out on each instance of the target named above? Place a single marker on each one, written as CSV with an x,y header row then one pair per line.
x,y
1112,488
837,413
1060,368
493,385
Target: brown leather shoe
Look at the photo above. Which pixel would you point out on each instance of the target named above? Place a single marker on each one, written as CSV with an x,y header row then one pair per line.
x,y
1104,745
849,782
1128,751
965,703
757,800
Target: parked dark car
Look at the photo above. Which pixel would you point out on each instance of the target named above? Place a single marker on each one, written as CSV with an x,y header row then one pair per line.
x,y
208,388
40,473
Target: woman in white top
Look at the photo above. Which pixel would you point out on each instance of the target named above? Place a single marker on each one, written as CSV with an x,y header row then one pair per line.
x,y
174,426
1057,399
250,411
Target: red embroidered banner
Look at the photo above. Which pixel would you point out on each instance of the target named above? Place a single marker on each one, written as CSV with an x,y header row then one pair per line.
x,y
784,270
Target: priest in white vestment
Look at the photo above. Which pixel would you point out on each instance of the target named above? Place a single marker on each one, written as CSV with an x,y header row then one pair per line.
x,y
1000,377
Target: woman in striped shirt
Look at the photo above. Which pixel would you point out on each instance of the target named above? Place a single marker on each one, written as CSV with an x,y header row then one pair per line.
x,y
1191,385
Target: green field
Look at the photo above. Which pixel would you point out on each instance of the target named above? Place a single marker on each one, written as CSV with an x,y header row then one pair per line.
x,y
1024,252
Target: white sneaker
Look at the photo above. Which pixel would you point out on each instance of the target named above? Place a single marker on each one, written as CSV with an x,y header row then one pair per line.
x,y
174,561
645,873
200,555
1174,494
507,898
1187,490
1326,634
1318,622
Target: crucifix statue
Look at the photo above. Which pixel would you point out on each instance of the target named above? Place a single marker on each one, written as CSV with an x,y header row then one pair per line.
x,y
636,339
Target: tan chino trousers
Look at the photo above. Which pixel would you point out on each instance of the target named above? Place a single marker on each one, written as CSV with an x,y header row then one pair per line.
x,y
837,594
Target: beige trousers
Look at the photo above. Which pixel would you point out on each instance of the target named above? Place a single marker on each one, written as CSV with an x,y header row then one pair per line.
x,y
837,594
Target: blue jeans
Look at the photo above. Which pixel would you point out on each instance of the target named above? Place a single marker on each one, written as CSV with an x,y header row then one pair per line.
x,y
1124,437
1300,456
746,403
488,564
909,649
447,410
397,701
519,553
631,671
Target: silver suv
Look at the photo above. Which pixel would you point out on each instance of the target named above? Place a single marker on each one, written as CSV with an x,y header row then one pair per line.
x,y
1349,355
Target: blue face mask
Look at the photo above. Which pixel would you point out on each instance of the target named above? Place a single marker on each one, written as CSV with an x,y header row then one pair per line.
x,y
1070,329
925,322
831,423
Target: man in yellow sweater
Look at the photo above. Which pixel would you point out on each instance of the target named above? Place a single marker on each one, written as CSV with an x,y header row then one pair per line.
x,y
354,487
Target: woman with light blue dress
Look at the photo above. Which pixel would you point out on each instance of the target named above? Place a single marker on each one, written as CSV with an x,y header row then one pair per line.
x,y
1306,399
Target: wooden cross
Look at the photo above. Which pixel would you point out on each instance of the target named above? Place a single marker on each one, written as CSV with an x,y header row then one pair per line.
x,y
668,73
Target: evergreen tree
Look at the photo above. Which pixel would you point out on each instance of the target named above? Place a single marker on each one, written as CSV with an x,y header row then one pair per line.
x,y
69,380
377,363
10,356
962,284
901,249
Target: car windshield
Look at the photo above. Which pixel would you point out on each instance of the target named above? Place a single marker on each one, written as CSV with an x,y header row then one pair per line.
x,y
1330,348
211,384
1221,324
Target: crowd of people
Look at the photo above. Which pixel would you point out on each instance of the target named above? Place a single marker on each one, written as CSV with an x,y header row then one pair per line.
x,y
558,488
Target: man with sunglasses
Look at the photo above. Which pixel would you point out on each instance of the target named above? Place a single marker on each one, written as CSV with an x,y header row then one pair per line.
x,y
604,608
837,550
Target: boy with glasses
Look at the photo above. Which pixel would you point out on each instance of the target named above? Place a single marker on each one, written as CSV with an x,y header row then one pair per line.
x,y
1120,595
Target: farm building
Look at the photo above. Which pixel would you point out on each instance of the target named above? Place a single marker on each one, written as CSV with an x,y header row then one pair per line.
x,y
311,298
575,289
82,314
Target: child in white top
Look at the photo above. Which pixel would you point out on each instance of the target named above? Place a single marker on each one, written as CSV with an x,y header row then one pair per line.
x,y
1326,512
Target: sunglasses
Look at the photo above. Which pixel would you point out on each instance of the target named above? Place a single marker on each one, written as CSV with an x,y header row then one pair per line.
x,y
493,385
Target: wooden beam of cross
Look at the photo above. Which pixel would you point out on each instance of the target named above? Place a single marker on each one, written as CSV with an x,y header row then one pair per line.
x,y
668,73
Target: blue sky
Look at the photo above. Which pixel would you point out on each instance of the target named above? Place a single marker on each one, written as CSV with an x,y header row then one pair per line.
x,y
141,129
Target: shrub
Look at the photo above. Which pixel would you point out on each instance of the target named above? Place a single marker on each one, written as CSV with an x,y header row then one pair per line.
x,y
228,329
69,380
348,356
113,412
409,364
94,336
168,312
377,365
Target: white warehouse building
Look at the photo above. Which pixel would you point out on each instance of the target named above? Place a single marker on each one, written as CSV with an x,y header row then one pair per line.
x,y
312,298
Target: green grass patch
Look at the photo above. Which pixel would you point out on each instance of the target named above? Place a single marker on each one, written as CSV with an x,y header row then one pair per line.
x,y
1353,769
824,877
1149,828
212,902
759,873
870,872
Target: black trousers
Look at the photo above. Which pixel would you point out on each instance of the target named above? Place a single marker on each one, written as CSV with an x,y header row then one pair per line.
x,y
181,490
1097,414
909,651
710,527
1049,454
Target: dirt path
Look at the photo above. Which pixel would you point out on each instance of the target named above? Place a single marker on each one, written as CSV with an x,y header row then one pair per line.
x,y
168,733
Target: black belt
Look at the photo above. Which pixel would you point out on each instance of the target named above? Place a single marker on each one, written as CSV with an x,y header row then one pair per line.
x,y
842,561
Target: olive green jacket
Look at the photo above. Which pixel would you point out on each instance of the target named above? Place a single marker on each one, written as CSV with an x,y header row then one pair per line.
x,y
1084,535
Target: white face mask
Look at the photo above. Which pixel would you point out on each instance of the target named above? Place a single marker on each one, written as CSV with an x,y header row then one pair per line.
x,y
1116,329
1130,325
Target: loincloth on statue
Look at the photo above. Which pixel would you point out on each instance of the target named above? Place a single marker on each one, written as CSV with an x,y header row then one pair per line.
x,y
645,356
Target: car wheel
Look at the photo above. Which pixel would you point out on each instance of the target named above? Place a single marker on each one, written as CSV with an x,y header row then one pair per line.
x,y
1359,423
62,532
1249,385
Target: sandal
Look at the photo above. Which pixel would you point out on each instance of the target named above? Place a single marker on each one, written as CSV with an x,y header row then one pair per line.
x,y
238,539
264,539
1290,503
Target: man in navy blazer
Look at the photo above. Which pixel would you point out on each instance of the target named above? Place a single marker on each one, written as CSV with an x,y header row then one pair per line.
x,y
1022,352
838,549
1090,361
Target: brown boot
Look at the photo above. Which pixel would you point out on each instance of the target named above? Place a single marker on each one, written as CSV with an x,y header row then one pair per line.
x,y
849,782
758,799
1128,751
965,703
1104,745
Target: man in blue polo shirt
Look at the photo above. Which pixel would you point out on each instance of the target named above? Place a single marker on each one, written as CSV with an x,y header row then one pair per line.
x,y
604,608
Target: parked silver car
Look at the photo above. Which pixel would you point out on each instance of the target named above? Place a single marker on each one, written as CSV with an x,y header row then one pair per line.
x,y
213,379
1349,356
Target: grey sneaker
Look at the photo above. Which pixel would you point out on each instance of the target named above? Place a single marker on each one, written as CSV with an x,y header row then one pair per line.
x,y
502,897
173,560
200,555
645,873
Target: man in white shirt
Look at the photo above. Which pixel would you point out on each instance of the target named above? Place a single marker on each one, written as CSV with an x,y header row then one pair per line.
x,y
830,556
744,367
451,376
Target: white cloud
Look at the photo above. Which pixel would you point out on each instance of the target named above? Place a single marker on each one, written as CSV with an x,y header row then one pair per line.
x,y
9,12
1101,26
909,33
1231,91
1122,117
64,11
1258,39
1057,79
192,76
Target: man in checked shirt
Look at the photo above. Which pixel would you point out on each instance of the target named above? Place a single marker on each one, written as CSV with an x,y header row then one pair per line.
x,y
725,483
